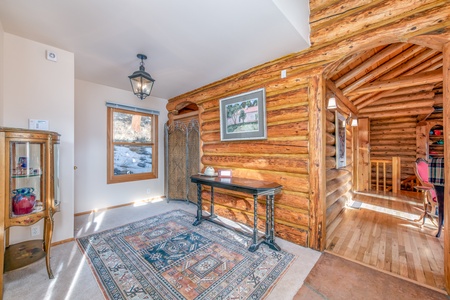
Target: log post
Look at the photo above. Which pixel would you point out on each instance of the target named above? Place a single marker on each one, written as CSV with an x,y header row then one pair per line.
x,y
317,171
363,156
396,174
446,119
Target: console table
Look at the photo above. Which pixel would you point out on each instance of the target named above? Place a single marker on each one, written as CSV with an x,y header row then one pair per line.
x,y
249,186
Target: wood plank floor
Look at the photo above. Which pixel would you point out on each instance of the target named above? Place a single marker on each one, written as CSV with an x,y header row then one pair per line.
x,y
382,233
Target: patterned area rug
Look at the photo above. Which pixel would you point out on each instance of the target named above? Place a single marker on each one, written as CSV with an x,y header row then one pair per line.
x,y
165,257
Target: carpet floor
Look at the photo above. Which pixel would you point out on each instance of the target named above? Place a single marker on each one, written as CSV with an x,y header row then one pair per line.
x,y
336,278
166,257
74,279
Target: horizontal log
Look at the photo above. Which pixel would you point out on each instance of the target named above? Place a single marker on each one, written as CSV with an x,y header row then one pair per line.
x,y
289,164
335,173
400,82
273,131
336,183
391,148
404,98
404,130
385,126
397,106
330,116
266,147
330,139
330,150
331,198
330,162
297,234
396,113
330,127
336,208
285,213
403,137
396,120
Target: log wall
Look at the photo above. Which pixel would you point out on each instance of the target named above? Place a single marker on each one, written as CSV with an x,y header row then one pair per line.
x,y
394,137
292,154
339,184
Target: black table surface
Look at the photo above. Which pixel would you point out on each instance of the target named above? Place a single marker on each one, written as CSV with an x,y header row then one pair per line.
x,y
251,186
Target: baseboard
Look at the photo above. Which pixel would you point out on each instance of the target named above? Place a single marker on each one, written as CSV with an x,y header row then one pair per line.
x,y
121,205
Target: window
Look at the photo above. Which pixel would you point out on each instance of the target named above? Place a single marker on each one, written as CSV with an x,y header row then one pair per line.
x,y
132,145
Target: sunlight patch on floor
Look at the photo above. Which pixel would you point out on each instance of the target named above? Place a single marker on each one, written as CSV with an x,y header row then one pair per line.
x,y
396,213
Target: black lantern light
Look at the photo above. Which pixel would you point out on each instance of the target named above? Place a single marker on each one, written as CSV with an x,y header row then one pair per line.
x,y
141,81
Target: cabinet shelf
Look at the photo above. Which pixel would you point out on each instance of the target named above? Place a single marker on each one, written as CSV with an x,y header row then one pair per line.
x,y
22,254
25,176
29,170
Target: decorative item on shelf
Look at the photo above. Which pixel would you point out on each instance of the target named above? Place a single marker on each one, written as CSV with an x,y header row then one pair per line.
x,y
209,171
431,132
141,81
437,132
22,162
440,142
23,200
224,173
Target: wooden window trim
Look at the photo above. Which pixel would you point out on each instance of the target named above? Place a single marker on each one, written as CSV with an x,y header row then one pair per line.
x,y
111,178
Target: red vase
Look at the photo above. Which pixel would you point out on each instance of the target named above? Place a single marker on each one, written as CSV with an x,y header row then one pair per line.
x,y
23,201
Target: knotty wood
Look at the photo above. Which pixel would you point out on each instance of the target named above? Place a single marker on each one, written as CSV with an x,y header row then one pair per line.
x,y
316,163
388,242
446,121
400,82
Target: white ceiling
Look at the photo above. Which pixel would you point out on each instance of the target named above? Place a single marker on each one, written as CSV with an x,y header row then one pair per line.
x,y
188,43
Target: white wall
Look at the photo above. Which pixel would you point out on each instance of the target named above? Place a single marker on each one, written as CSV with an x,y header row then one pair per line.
x,y
36,88
91,190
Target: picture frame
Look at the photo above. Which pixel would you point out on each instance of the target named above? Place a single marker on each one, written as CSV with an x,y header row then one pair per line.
x,y
341,140
243,116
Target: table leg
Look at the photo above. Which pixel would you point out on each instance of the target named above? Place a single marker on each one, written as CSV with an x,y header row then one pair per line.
x,y
254,245
198,221
212,203
270,239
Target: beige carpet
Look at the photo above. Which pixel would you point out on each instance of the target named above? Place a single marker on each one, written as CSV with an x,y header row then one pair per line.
x,y
337,278
74,279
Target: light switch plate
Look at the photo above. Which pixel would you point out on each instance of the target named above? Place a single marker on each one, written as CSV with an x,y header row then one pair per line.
x,y
38,124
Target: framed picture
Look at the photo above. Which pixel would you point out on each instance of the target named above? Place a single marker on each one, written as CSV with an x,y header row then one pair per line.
x,y
340,141
243,117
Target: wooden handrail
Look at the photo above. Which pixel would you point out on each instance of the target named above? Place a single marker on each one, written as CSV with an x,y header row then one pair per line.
x,y
396,172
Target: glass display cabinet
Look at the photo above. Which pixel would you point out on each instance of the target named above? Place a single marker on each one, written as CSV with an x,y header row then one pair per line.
x,y
29,176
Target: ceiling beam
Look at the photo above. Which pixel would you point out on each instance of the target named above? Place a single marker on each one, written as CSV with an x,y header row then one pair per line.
x,y
386,67
400,82
368,63
342,97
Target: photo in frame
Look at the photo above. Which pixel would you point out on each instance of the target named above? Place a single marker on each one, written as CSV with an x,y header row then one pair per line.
x,y
341,147
243,117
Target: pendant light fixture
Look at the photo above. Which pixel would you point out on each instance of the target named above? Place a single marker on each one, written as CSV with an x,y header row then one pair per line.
x,y
141,81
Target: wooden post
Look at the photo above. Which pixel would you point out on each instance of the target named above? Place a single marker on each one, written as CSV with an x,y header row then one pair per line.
x,y
363,155
446,119
396,174
421,141
317,171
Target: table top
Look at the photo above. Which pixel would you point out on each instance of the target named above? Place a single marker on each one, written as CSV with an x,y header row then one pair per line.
x,y
251,186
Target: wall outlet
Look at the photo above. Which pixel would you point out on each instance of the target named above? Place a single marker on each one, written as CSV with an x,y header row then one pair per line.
x,y
35,230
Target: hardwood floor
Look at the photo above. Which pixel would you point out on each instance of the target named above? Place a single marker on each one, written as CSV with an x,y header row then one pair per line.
x,y
382,233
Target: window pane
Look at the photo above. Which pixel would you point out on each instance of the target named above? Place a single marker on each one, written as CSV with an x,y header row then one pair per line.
x,y
132,159
132,128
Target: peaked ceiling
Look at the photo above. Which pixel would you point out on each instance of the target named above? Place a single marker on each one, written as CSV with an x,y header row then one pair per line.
x,y
188,43
388,81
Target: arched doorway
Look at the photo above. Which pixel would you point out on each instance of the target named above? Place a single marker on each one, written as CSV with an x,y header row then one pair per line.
x,y
389,90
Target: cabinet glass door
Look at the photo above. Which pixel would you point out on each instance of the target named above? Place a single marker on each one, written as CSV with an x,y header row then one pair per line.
x,y
56,183
27,160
